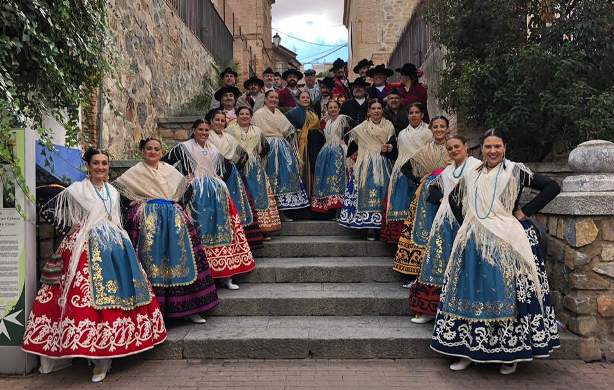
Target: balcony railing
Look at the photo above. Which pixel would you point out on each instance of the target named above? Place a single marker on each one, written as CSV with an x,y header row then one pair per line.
x,y
203,20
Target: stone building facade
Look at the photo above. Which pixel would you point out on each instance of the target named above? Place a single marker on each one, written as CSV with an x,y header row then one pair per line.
x,y
284,59
250,23
374,27
160,65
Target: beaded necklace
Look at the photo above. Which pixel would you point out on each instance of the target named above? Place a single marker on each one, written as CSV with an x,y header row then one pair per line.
x,y
104,201
461,171
494,193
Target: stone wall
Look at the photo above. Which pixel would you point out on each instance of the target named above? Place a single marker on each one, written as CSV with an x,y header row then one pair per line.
x,y
580,249
161,65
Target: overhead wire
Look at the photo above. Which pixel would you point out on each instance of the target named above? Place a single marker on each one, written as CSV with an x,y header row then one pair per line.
x,y
304,41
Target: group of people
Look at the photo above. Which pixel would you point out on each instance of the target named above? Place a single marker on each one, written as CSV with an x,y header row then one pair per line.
x,y
364,153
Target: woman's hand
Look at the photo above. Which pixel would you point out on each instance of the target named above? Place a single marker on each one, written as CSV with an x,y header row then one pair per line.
x,y
190,178
386,148
354,156
520,215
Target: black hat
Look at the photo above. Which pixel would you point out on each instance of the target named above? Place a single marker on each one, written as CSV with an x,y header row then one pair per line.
x,y
360,82
408,69
220,92
338,64
394,91
361,64
228,70
290,71
268,71
380,69
253,80
277,74
310,72
327,82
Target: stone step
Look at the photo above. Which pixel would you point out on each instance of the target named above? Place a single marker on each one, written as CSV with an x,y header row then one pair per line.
x,y
313,299
321,270
372,337
314,228
322,246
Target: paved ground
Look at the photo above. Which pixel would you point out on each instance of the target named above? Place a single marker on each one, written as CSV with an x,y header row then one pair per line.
x,y
429,374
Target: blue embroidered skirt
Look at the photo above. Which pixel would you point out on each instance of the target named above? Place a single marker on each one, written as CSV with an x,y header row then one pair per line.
x,y
401,195
329,179
363,209
283,171
465,325
210,211
236,188
438,252
255,181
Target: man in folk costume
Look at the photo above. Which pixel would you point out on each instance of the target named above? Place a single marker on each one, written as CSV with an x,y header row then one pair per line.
x,y
362,67
268,76
326,86
277,81
227,97
341,90
411,89
357,107
311,85
253,96
380,88
229,79
288,96
310,137
394,112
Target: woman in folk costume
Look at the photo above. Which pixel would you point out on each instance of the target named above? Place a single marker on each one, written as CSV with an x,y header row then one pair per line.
x,y
95,300
254,143
496,305
234,155
310,138
401,189
422,168
330,170
424,295
167,244
281,164
368,179
213,211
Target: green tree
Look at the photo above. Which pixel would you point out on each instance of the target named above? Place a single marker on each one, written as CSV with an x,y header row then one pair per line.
x,y
52,56
542,70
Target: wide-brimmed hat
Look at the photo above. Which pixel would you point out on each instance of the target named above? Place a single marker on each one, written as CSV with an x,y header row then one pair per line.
x,y
338,64
380,69
360,82
228,70
268,71
394,91
408,69
310,72
253,80
224,90
295,72
361,64
327,82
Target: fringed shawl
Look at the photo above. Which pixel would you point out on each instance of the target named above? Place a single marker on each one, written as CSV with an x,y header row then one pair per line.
x,y
250,139
488,203
335,130
446,182
370,137
226,144
273,124
142,182
429,158
311,122
79,204
409,141
202,161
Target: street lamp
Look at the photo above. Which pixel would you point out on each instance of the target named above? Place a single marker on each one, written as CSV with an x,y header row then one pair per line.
x,y
276,39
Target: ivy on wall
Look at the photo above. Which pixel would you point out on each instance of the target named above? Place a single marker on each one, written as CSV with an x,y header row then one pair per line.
x,y
52,56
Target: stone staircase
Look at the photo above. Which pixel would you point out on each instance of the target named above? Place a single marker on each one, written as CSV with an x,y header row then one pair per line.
x,y
318,291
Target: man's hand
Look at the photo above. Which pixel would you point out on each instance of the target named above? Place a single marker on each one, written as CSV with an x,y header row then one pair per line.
x,y
520,215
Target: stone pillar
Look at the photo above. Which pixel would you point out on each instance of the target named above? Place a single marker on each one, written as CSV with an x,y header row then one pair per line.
x,y
580,226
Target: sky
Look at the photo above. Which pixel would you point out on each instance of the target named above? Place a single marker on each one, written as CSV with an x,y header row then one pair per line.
x,y
315,21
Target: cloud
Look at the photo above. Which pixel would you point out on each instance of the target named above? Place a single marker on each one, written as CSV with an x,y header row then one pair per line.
x,y
317,21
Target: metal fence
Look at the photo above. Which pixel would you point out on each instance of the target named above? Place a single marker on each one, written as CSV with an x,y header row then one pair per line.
x,y
203,19
415,43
